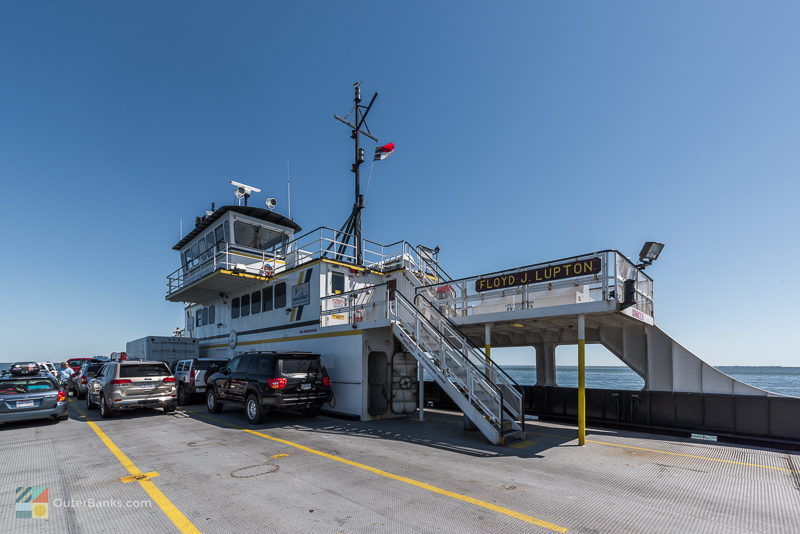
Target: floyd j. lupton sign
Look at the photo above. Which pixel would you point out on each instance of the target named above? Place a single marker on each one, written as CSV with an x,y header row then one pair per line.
x,y
542,274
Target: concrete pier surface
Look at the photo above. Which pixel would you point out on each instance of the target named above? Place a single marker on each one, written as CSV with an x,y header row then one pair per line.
x,y
145,471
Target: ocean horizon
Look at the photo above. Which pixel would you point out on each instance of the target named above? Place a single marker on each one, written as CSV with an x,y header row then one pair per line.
x,y
775,378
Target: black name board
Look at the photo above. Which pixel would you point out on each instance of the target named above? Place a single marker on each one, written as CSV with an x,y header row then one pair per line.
x,y
542,274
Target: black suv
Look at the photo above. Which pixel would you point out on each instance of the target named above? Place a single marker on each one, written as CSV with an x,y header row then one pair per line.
x,y
263,381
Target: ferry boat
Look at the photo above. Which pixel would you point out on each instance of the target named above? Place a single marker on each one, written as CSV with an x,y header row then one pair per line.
x,y
383,315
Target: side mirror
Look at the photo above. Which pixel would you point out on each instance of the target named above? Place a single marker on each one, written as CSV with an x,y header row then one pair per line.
x,y
225,371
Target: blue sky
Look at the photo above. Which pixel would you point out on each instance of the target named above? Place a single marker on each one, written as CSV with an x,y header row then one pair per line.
x,y
525,131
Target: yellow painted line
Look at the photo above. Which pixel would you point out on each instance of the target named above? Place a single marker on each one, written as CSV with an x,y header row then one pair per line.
x,y
279,455
721,460
171,511
142,476
289,338
477,502
522,444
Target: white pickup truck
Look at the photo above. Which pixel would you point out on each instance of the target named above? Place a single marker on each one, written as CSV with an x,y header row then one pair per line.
x,y
191,375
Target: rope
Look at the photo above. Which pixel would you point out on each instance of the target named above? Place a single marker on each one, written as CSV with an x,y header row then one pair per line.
x,y
370,177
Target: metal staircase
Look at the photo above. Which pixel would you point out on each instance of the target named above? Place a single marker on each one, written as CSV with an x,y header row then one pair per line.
x,y
482,390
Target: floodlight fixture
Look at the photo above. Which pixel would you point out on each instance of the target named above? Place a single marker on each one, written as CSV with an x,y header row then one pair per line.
x,y
649,253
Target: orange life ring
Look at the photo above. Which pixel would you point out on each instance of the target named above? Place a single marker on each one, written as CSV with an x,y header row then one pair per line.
x,y
267,270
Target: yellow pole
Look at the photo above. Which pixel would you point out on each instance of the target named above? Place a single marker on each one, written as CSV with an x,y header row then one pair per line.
x,y
581,380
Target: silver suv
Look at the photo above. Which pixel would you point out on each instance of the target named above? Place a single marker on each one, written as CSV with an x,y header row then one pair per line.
x,y
131,384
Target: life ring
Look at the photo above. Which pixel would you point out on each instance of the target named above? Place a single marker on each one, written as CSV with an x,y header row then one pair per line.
x,y
267,270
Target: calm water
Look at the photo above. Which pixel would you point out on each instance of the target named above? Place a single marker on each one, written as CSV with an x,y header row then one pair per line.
x,y
784,380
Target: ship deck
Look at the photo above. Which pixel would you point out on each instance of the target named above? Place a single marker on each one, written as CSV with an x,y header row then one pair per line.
x,y
292,474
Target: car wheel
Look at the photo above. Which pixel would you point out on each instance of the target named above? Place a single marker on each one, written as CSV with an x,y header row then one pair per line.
x,y
105,411
312,412
89,404
253,410
62,418
170,406
182,400
213,405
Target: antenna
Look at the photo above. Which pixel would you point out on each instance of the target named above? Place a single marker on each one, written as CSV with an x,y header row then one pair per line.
x,y
243,191
352,226
289,187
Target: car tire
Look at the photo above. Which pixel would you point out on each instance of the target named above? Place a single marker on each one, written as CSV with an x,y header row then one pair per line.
x,y
182,398
170,407
253,410
89,404
62,418
311,412
212,403
105,411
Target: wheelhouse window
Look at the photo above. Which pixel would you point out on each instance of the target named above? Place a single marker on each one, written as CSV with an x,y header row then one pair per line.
x,y
267,298
219,237
235,308
255,303
280,295
212,312
253,236
337,283
245,305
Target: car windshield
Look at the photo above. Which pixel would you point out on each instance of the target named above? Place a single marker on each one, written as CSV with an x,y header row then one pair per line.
x,y
26,385
91,370
300,366
205,365
130,371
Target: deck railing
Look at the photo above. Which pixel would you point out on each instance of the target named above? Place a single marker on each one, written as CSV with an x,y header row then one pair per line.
x,y
461,297
322,242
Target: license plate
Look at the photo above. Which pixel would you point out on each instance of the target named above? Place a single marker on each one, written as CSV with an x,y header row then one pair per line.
x,y
147,386
25,404
200,390
305,387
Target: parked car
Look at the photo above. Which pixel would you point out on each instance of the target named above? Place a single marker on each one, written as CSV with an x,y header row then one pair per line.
x,y
78,382
75,363
131,384
190,375
265,381
25,395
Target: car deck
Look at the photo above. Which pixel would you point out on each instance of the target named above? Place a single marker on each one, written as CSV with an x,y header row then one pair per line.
x,y
191,472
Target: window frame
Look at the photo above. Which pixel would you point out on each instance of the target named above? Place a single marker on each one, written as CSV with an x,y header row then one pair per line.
x,y
282,295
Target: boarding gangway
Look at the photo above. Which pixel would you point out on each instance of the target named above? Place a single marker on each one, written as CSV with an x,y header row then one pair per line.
x,y
486,395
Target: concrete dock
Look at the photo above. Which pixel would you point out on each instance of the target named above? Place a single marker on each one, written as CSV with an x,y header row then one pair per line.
x,y
190,472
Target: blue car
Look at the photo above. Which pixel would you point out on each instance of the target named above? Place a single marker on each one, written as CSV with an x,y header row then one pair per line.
x,y
31,395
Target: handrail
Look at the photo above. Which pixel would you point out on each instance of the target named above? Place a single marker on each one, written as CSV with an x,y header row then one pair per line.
x,y
473,345
473,372
512,384
433,326
545,263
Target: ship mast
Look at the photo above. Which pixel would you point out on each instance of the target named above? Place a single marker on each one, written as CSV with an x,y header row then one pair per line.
x,y
352,226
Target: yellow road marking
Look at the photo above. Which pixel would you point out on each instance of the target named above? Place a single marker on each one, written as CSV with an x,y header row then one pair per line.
x,y
142,476
721,460
279,455
522,444
171,511
465,498
423,485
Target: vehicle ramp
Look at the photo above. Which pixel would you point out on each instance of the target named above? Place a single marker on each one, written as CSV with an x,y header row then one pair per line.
x,y
486,395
